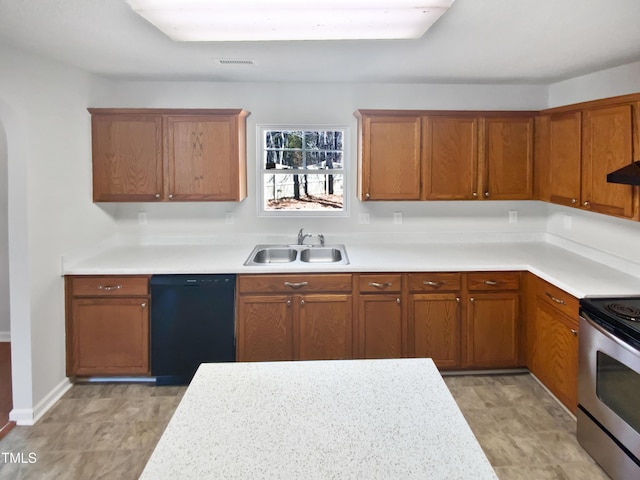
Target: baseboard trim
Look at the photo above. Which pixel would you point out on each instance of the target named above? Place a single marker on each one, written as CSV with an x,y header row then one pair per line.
x,y
5,336
29,416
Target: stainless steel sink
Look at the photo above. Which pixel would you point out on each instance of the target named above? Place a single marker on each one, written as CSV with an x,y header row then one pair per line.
x,y
321,255
297,254
275,255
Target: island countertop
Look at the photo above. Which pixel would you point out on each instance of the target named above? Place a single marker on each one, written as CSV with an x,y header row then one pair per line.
x,y
374,419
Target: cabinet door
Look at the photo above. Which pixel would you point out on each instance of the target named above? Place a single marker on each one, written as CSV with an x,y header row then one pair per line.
x,y
607,146
492,331
324,327
390,165
264,328
381,326
451,157
127,157
202,157
508,158
434,322
110,336
565,162
554,359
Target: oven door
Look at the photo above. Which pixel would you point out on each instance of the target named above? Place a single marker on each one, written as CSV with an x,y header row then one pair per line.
x,y
609,383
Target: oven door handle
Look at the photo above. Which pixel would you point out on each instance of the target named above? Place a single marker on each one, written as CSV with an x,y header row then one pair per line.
x,y
600,329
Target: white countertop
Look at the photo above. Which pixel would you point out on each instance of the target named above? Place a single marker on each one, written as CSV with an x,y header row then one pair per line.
x,y
373,419
577,274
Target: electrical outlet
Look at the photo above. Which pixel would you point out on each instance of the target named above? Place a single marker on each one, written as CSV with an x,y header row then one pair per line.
x,y
397,218
364,219
142,218
513,216
229,218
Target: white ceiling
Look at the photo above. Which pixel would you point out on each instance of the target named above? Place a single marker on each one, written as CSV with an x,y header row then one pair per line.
x,y
476,41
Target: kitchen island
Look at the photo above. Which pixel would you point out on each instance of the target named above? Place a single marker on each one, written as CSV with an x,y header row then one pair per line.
x,y
373,419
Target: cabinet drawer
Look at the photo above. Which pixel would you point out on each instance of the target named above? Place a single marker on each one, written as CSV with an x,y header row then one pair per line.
x,y
380,283
109,286
430,282
493,281
294,283
557,298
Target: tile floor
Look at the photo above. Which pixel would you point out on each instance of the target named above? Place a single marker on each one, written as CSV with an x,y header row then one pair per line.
x,y
109,430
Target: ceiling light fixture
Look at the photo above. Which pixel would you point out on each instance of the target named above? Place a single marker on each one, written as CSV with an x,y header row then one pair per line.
x,y
260,20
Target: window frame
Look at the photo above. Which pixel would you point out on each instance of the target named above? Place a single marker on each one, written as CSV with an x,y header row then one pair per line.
x,y
261,170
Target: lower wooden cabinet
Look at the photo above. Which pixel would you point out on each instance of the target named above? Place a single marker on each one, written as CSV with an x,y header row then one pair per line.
x,y
273,324
435,327
553,341
107,326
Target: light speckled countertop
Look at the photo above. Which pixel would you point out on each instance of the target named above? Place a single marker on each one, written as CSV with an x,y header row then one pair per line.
x,y
585,274
350,419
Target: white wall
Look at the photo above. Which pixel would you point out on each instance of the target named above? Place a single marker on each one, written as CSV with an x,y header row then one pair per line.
x,y
43,110
316,103
606,83
5,328
612,235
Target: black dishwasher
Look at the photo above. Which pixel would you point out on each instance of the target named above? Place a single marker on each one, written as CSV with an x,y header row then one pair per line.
x,y
192,322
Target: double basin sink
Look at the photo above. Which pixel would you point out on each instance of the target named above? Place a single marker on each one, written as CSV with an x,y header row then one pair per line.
x,y
287,254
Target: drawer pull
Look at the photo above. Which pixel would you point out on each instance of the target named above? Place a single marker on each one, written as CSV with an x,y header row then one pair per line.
x,y
432,284
557,300
296,284
574,332
109,288
143,305
491,283
380,285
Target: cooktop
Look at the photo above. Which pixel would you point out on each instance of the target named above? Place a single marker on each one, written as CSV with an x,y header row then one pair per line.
x,y
619,315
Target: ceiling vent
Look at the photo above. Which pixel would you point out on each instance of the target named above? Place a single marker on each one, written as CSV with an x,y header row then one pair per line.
x,y
234,61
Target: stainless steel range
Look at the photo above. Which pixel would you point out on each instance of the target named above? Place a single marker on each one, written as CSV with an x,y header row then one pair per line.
x,y
609,384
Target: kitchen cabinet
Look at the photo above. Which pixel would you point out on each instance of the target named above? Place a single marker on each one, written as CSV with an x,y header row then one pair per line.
x,y
493,320
107,325
434,317
294,317
451,157
382,328
168,155
552,340
445,155
583,146
389,151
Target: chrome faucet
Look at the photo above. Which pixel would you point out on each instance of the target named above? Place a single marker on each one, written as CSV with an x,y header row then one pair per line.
x,y
302,236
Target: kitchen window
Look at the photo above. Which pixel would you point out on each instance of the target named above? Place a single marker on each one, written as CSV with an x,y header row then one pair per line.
x,y
302,170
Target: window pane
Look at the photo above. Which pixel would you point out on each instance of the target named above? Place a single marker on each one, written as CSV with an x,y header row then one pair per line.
x,y
288,192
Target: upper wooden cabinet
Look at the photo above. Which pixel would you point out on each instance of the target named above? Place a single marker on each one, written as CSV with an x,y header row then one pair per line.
x,y
576,149
390,166
160,155
435,155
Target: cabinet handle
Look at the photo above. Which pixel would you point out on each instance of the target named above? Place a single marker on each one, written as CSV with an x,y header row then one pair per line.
x,y
170,196
143,305
296,285
398,301
301,302
380,285
432,284
574,332
472,299
288,303
491,283
474,194
157,195
109,288
557,300
573,200
486,194
367,196
586,204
